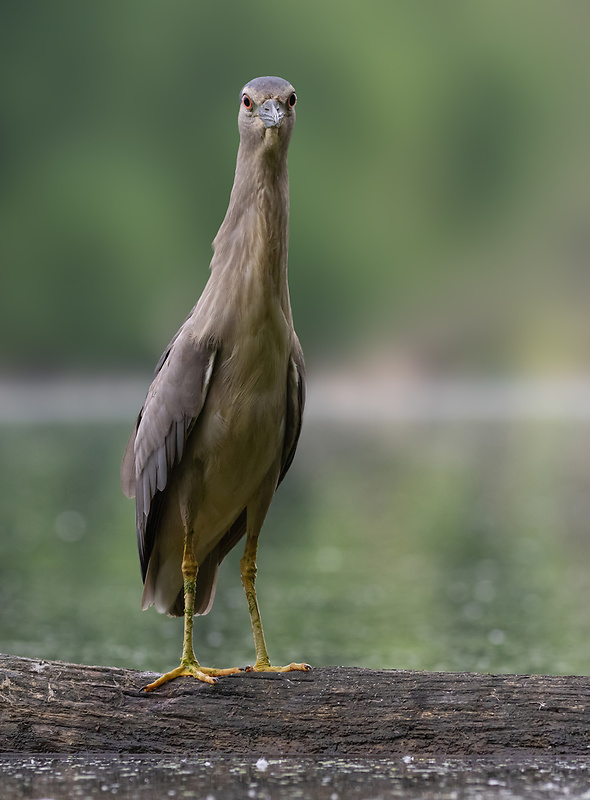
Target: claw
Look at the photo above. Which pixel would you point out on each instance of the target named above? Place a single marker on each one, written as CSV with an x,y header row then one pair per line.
x,y
205,674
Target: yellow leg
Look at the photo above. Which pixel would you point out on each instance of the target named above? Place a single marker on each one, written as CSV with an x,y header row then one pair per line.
x,y
248,573
188,662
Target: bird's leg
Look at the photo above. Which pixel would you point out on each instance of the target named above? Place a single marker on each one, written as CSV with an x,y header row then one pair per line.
x,y
248,573
188,662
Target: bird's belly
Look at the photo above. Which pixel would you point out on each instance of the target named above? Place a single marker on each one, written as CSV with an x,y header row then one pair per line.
x,y
240,436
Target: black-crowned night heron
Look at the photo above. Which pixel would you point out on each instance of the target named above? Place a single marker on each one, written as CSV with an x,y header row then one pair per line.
x,y
220,423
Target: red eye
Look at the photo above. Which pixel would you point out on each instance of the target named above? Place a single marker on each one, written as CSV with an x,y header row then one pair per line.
x,y
246,102
292,100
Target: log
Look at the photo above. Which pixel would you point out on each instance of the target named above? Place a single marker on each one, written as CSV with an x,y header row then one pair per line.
x,y
55,707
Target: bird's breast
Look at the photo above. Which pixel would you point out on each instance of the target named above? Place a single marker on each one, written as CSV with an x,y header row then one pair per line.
x,y
241,432
253,379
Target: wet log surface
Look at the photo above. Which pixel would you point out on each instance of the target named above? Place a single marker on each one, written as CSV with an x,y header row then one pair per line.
x,y
54,707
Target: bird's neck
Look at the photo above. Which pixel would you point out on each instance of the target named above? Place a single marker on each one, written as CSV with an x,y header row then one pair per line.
x,y
252,242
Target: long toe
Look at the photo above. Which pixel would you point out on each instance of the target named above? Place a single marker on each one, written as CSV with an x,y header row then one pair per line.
x,y
219,673
293,667
195,672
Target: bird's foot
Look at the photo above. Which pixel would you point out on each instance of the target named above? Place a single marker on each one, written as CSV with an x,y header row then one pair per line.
x,y
264,667
194,670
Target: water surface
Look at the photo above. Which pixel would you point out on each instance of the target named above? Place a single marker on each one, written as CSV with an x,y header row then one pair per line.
x,y
442,544
148,778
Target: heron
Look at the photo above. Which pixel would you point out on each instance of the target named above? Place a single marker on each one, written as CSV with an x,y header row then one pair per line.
x,y
221,419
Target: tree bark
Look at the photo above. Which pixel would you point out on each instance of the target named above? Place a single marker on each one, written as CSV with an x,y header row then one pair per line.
x,y
54,707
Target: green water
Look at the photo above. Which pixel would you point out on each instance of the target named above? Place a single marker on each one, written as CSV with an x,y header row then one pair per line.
x,y
448,546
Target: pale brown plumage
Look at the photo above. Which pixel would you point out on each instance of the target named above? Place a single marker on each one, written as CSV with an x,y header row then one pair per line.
x,y
220,424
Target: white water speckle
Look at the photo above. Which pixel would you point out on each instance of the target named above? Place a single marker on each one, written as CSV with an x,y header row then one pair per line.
x,y
70,526
496,637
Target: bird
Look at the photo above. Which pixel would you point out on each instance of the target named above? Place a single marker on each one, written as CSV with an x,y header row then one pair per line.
x,y
221,420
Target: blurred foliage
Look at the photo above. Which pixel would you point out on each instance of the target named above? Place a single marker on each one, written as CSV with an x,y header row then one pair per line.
x,y
436,546
439,174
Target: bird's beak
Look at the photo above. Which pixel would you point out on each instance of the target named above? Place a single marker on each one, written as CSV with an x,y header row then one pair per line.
x,y
271,113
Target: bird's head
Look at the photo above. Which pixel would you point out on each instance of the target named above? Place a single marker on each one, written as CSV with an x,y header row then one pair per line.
x,y
267,113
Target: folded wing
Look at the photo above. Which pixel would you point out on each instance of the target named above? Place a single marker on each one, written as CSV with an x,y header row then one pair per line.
x,y
172,406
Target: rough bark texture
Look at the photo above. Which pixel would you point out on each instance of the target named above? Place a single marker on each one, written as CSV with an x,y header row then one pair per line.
x,y
55,707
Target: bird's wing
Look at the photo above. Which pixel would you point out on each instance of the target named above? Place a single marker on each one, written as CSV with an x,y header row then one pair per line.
x,y
295,404
173,403
128,473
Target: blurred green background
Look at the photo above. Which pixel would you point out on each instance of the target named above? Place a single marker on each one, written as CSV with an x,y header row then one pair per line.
x,y
440,229
439,175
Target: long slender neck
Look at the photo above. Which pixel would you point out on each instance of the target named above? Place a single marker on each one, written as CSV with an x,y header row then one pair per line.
x,y
249,265
253,237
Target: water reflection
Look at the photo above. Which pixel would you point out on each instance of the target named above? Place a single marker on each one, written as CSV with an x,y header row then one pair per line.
x,y
143,778
435,545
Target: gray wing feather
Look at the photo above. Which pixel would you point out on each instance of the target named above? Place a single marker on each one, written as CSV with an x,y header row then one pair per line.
x,y
173,403
295,405
128,465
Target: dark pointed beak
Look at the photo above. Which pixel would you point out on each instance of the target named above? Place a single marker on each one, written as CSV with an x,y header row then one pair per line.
x,y
271,113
